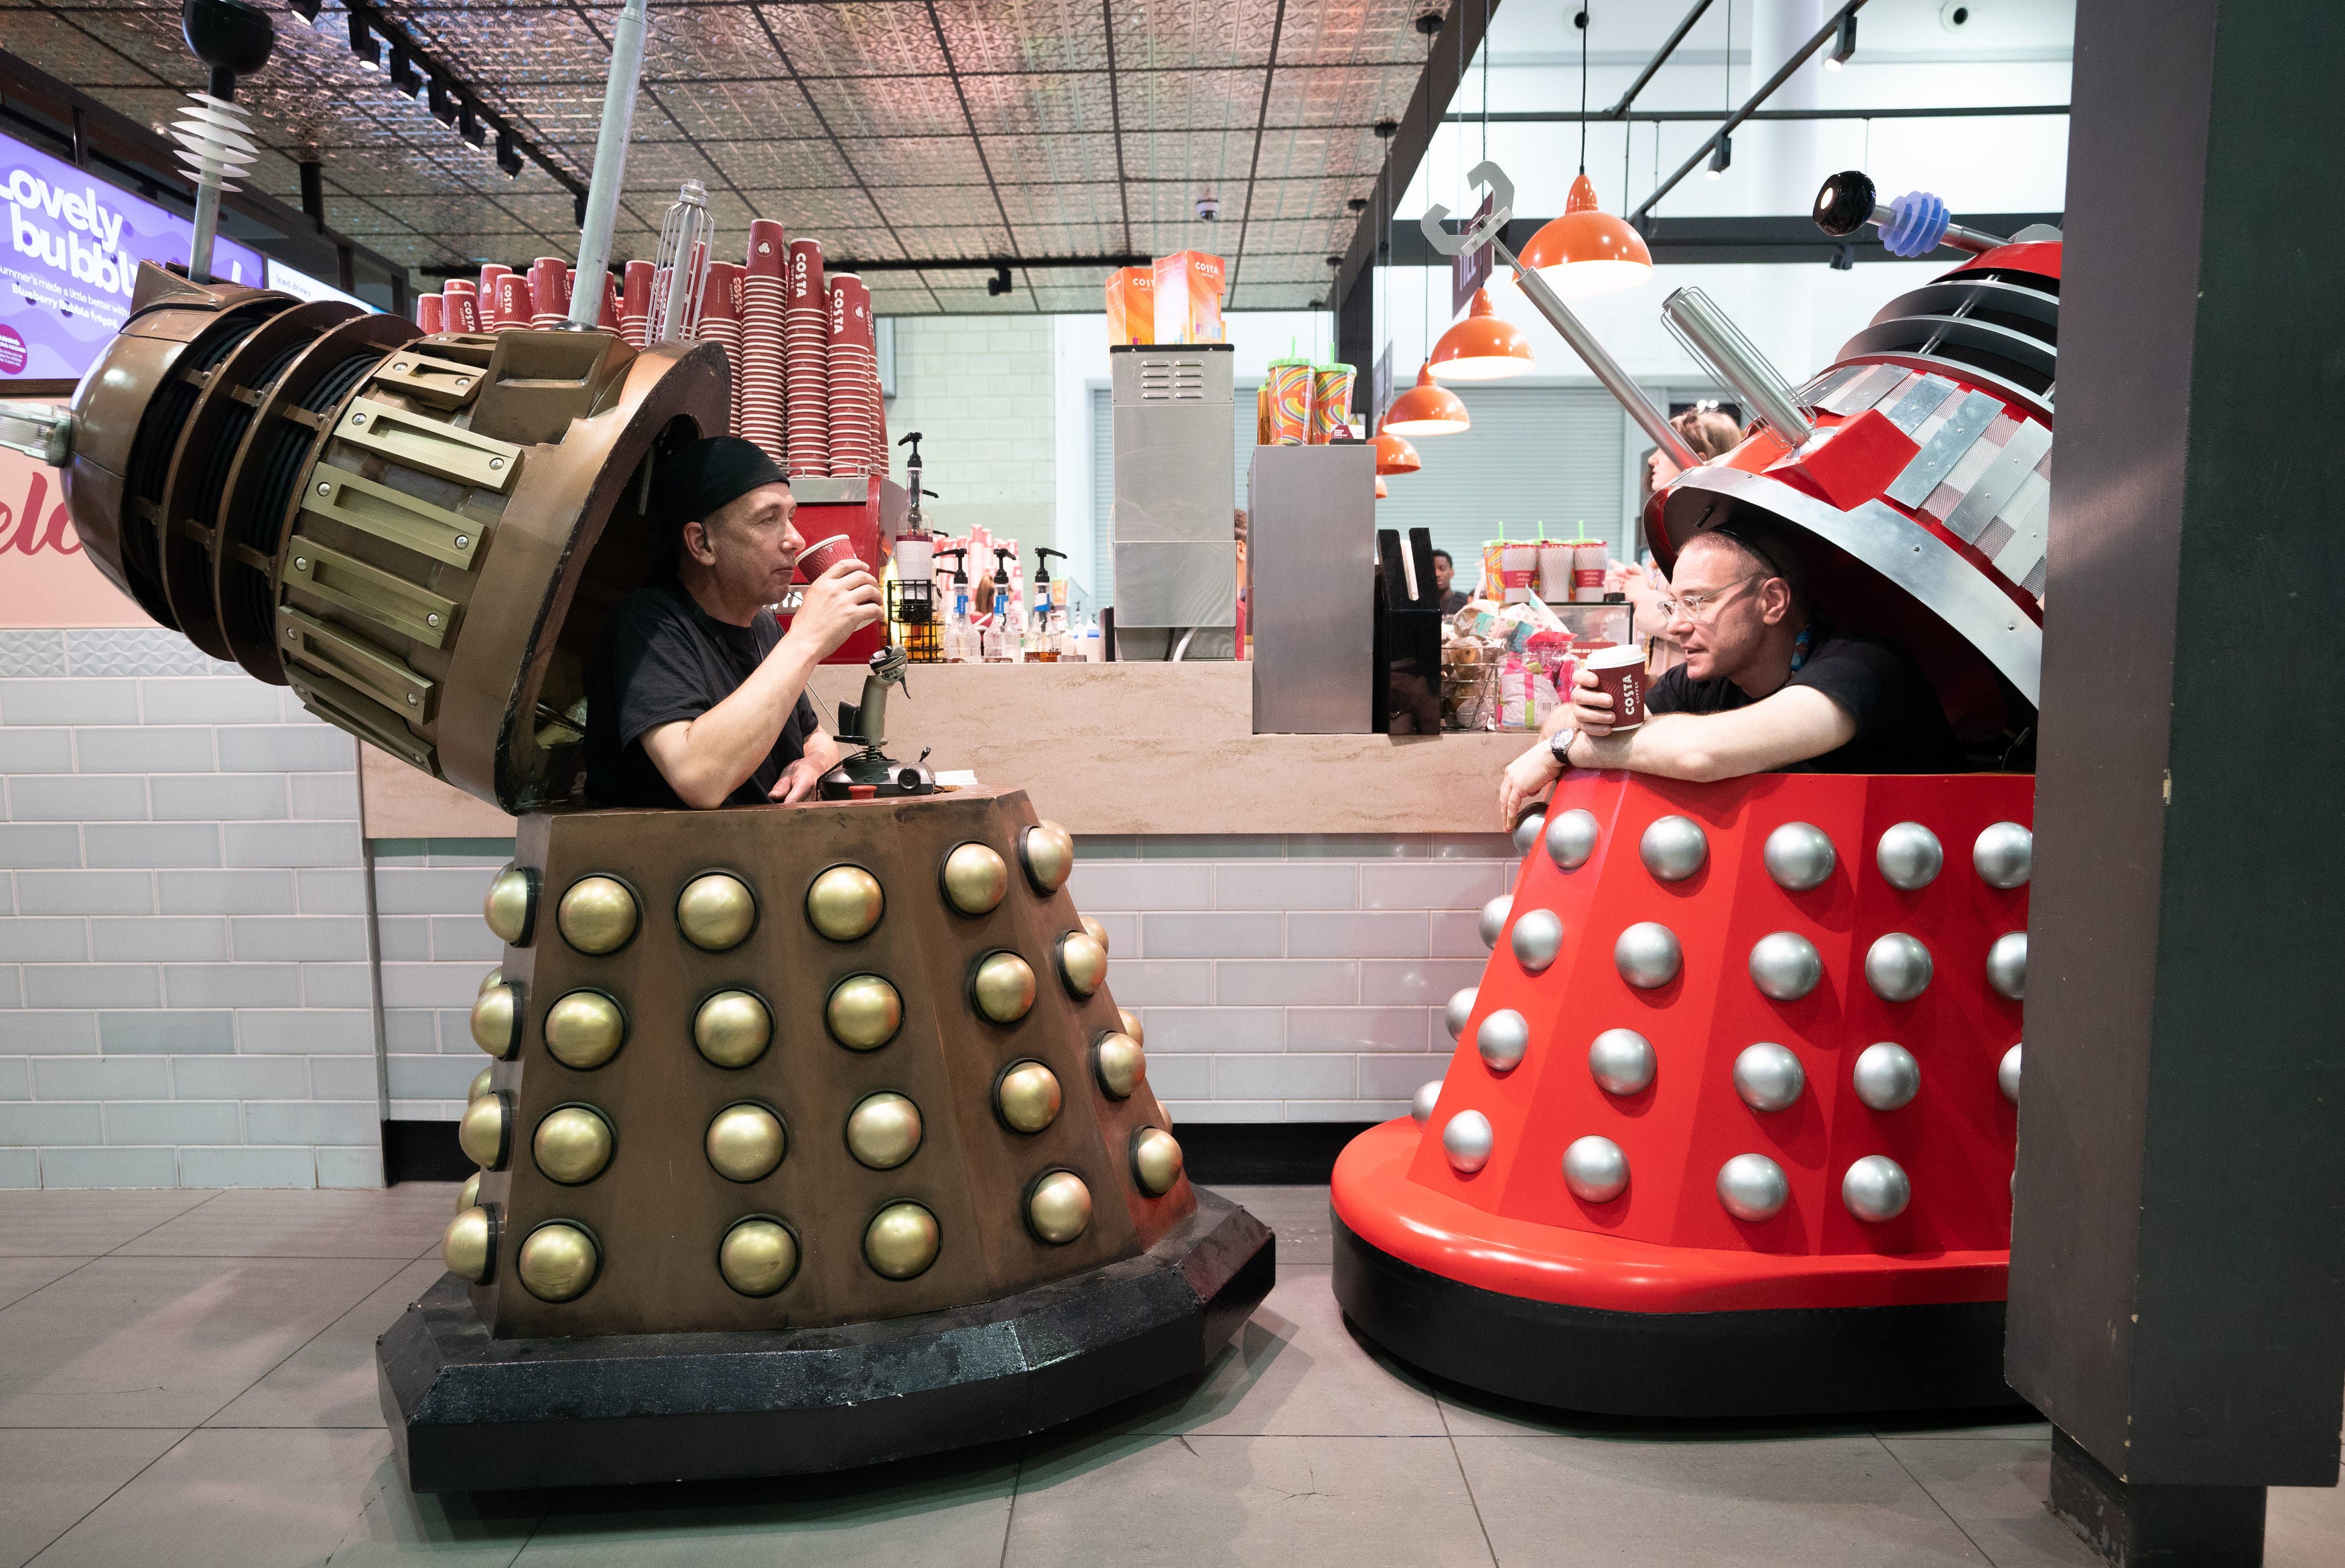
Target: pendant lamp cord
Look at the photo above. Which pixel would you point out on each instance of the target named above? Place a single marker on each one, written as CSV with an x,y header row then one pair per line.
x,y
1586,20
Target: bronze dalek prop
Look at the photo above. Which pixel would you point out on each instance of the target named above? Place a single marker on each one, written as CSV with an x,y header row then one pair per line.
x,y
811,1135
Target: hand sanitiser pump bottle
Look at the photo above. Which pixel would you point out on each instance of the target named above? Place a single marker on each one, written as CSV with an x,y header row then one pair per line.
x,y
1001,634
959,636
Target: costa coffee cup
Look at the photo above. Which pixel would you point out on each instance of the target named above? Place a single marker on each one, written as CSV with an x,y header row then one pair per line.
x,y
821,556
1621,673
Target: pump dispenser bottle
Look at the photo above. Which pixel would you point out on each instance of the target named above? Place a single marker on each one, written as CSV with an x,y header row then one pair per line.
x,y
1001,635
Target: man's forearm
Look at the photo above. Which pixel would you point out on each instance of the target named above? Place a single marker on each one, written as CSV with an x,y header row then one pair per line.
x,y
1653,747
722,747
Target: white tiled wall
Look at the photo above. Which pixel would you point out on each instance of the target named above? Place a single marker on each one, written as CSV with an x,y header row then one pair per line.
x,y
978,387
435,949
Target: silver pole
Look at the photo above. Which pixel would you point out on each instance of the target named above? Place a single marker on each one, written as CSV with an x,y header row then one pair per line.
x,y
199,253
610,165
1626,392
1713,337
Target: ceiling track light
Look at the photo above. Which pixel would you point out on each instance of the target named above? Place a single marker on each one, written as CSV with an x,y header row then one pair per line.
x,y
1721,157
403,73
363,45
306,10
999,284
508,155
469,126
443,102
1845,46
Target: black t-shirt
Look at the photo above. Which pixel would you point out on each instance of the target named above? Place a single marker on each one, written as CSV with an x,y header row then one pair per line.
x,y
664,658
1901,727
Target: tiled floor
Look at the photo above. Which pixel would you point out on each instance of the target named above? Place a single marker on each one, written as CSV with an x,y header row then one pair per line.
x,y
186,1378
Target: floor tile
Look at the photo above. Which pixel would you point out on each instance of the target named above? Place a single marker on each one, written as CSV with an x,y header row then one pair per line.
x,y
1299,1216
1803,1502
395,1223
940,1513
164,1341
2304,1527
58,1222
20,1277
1474,1413
234,1499
1276,1502
48,1479
1994,1489
398,1526
1961,1425
1294,1369
331,1380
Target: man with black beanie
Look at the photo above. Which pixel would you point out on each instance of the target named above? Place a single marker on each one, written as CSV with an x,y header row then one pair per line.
x,y
697,697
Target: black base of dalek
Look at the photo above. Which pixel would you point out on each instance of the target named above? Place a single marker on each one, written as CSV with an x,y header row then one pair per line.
x,y
468,1412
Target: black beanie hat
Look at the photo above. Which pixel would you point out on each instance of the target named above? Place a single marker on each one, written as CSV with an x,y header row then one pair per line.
x,y
698,479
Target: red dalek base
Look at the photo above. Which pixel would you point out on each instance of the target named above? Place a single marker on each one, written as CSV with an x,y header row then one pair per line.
x,y
1732,1123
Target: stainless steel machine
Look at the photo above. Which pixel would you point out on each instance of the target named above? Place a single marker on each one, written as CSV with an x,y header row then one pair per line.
x,y
1172,529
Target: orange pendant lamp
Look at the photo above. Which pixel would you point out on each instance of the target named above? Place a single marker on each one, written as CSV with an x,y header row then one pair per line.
x,y
1427,409
1395,455
1485,347
1588,251
1381,492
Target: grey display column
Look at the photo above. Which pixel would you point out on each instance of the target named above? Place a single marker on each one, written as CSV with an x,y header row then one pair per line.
x,y
2176,1249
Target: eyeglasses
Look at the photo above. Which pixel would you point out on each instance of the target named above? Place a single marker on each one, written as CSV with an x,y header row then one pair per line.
x,y
1702,607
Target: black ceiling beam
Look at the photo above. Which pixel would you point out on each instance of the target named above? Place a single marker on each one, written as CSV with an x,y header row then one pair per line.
x,y
1254,163
961,95
1680,240
1671,117
1620,110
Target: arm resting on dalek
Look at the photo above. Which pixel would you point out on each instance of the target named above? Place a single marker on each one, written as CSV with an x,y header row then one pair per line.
x,y
705,759
1790,726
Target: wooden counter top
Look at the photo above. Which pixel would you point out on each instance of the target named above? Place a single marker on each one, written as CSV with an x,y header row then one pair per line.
x,y
1105,748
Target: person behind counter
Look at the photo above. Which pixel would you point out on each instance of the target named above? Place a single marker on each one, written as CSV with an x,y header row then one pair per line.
x,y
1767,686
698,696
1445,572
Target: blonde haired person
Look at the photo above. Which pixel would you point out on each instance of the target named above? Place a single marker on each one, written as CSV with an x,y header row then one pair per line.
x,y
1711,433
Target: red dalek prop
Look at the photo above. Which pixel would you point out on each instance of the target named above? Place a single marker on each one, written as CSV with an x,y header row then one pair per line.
x,y
1732,1119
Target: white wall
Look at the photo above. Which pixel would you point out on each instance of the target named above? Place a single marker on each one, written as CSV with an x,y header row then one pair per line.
x,y
980,389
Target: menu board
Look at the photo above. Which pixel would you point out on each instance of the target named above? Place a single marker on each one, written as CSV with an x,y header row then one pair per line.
x,y
301,286
74,248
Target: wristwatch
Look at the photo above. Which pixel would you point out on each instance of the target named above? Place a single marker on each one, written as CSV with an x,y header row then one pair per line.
x,y
1560,746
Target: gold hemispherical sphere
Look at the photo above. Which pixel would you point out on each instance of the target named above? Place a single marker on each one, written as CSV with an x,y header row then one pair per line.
x,y
1120,1064
482,1134
468,1245
746,1142
1155,1160
1097,932
1082,963
598,915
572,1144
883,1131
1004,987
558,1260
1131,1021
864,1012
901,1240
495,976
757,1255
1059,1208
1049,852
976,878
733,1028
479,1085
496,1020
845,903
715,910
1027,1095
470,1193
584,1029
511,906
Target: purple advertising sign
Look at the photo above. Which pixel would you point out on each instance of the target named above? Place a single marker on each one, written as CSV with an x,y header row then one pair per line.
x,y
74,248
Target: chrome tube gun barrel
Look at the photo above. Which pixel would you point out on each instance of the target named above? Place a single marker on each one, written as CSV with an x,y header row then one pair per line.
x,y
610,164
1710,336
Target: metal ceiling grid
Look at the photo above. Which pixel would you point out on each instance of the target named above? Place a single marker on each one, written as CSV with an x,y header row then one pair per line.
x,y
1027,104
1072,202
902,106
1162,34
737,110
1181,102
857,41
989,36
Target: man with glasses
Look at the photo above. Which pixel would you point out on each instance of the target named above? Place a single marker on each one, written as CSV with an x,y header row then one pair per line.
x,y
1768,686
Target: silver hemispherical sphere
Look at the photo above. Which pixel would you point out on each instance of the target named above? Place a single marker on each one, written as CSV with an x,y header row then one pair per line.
x,y
1875,1188
1897,968
1503,1037
1622,1062
1595,1169
1468,1140
1421,1104
1648,954
2006,965
1910,856
1799,856
1537,939
2007,1075
1752,1186
1459,1012
1527,831
1886,1075
1571,838
1768,1078
1673,848
2004,854
1785,966
1494,918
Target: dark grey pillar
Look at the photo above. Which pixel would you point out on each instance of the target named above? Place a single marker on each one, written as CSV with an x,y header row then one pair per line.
x,y
2179,1239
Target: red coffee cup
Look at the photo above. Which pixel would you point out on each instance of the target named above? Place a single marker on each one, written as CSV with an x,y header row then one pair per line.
x,y
1620,673
824,554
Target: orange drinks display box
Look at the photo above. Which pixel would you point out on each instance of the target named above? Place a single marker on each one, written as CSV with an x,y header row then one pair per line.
x,y
1189,297
1132,305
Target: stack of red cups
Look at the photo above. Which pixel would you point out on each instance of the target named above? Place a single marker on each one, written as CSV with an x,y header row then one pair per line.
x,y
487,306
763,380
853,380
461,305
806,334
549,292
720,323
430,312
512,311
635,305
609,320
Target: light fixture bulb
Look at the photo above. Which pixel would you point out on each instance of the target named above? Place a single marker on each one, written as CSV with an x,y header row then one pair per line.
x,y
1721,157
1587,251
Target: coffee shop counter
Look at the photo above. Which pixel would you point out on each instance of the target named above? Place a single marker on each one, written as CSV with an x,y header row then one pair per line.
x,y
1116,748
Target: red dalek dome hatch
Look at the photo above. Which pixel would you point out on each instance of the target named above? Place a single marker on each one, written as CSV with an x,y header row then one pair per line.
x,y
1732,1118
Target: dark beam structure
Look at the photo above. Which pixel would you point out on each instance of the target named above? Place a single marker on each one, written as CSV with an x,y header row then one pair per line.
x,y
2176,1249
1675,241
